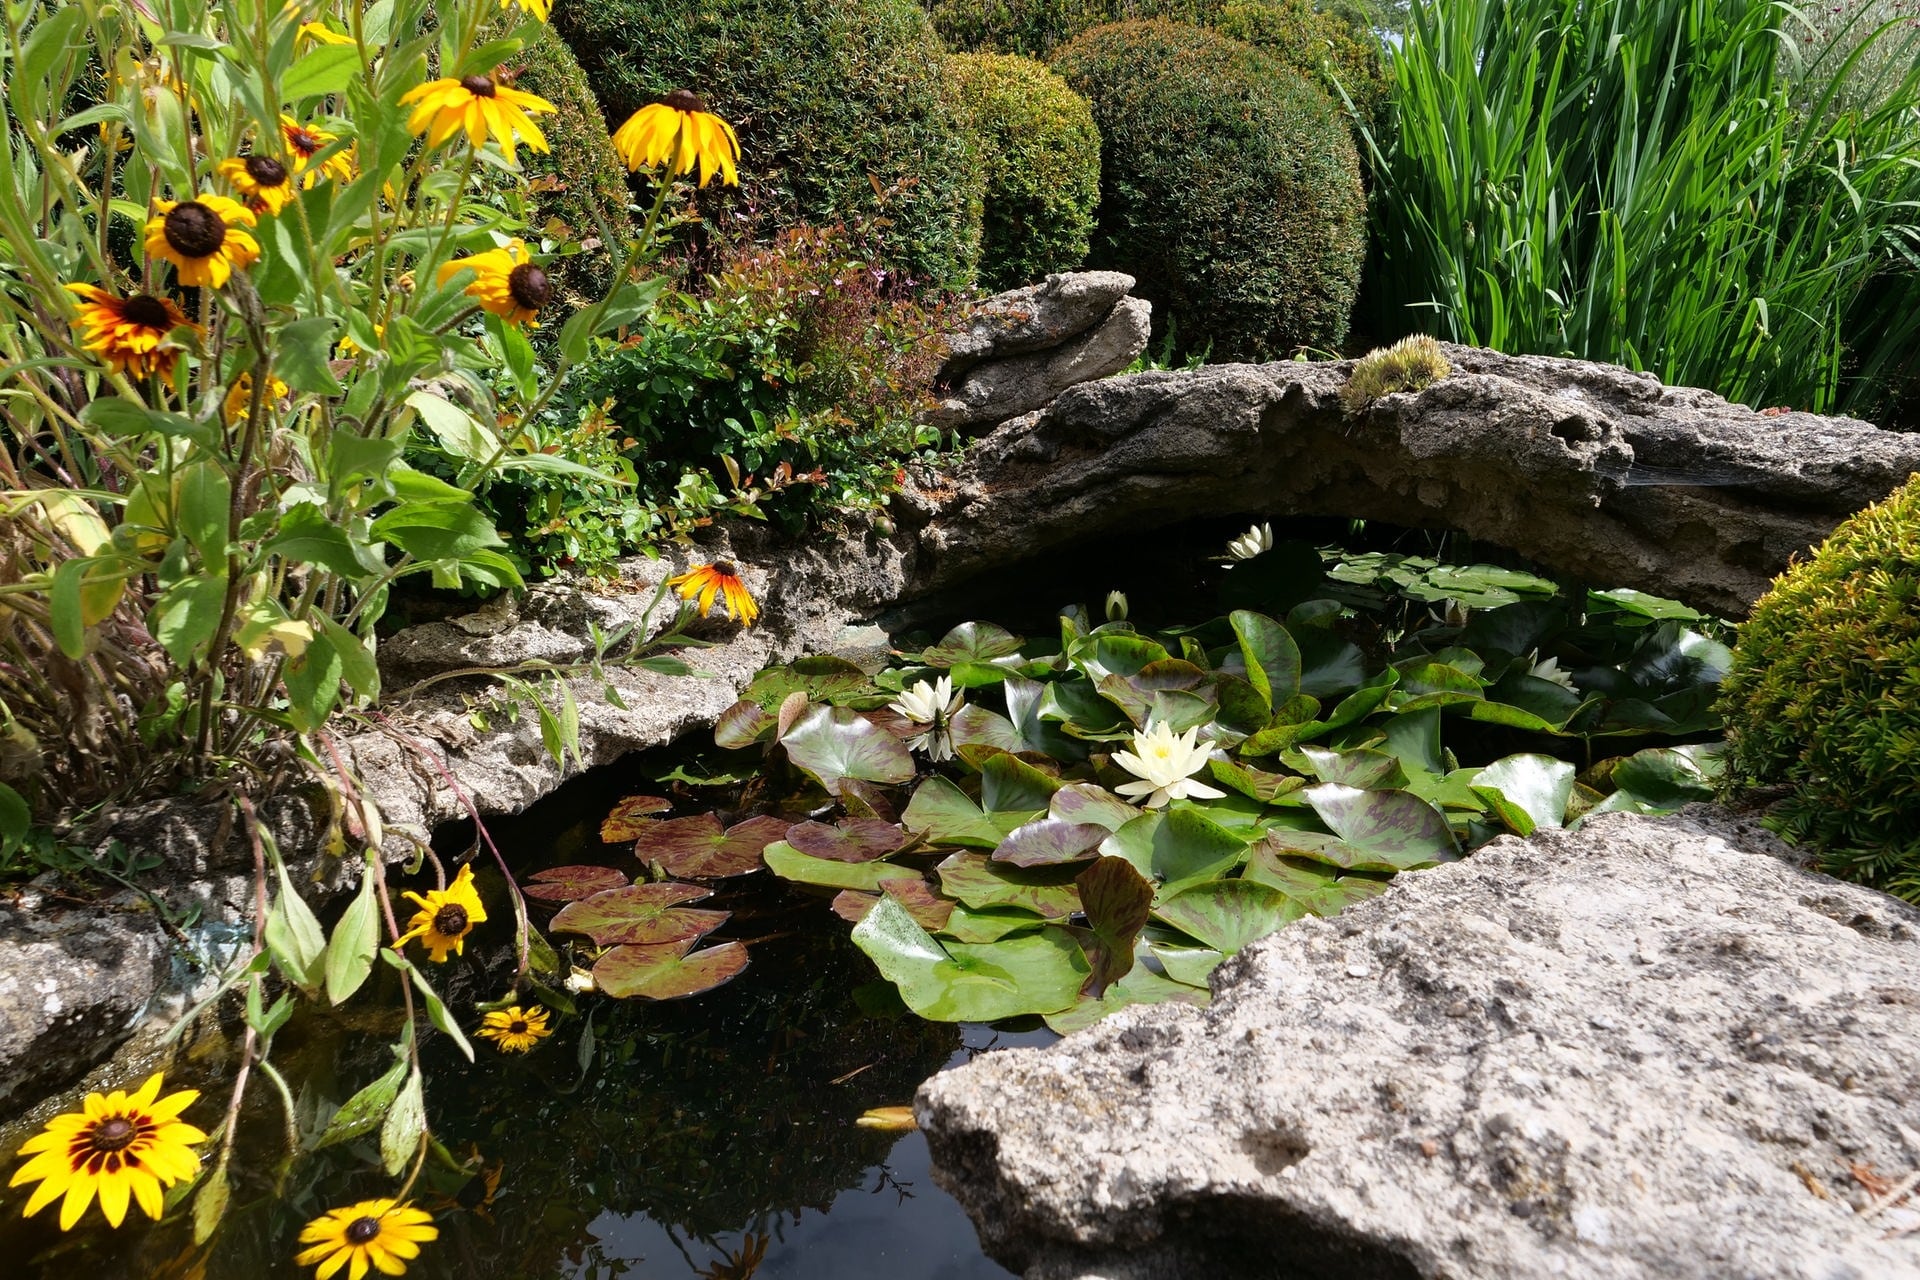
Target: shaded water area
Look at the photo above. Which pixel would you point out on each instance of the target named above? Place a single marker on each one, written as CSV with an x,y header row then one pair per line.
x,y
710,1137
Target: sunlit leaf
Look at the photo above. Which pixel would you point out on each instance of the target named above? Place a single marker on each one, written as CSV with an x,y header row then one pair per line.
x,y
570,884
789,863
1049,840
1141,985
1228,914
629,816
927,907
1083,802
1117,901
824,679
652,973
641,914
988,924
698,848
979,642
1356,767
978,881
1271,656
1394,826
1533,789
849,840
743,724
834,743
1176,846
1029,973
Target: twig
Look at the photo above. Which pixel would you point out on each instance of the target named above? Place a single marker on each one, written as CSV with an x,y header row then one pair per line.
x,y
1898,1193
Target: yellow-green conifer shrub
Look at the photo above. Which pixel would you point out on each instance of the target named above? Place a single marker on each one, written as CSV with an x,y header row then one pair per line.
x,y
1042,154
1411,364
1824,697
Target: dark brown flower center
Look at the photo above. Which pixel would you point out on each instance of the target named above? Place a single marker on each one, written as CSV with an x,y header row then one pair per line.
x,y
450,920
147,311
685,100
266,171
725,568
194,230
113,1133
304,141
478,86
528,285
517,1027
363,1230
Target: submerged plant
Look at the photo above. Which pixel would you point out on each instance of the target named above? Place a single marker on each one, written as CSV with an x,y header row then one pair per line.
x,y
1411,364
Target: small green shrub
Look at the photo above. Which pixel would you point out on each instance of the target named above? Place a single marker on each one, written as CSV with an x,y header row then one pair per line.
x,y
1824,697
1229,188
1043,166
842,111
1410,364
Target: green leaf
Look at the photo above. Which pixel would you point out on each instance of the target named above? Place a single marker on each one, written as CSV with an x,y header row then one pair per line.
x,y
436,1009
963,982
186,617
210,1203
454,427
667,973
357,665
313,683
697,846
205,498
15,820
1177,846
945,814
293,934
977,642
325,69
355,938
306,536
1272,658
979,882
1228,914
836,743
303,348
1009,784
363,1112
1046,841
63,603
1537,786
437,530
1395,826
405,1126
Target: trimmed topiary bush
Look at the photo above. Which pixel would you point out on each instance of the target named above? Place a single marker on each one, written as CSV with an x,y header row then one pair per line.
x,y
1332,49
1042,158
1824,697
1229,188
1038,27
842,109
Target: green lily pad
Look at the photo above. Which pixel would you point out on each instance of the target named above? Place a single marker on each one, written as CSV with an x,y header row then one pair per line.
x,y
1009,784
1271,656
1323,890
1628,600
990,924
849,840
1046,841
1076,705
1527,791
824,678
835,743
1141,985
1329,663
1117,901
789,863
945,814
647,973
961,982
980,882
1449,791
1120,653
1034,731
1176,846
629,815
1188,965
641,914
1414,737
1662,779
978,642
976,726
698,848
570,884
1083,802
1361,767
1228,914
928,908
1397,827
1240,710
1255,784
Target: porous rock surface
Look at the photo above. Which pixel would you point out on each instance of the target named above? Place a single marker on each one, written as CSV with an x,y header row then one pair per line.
x,y
1649,1049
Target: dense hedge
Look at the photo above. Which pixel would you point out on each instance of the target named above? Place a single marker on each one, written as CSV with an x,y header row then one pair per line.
x,y
1229,187
842,110
1335,49
1043,166
580,182
1038,27
1824,696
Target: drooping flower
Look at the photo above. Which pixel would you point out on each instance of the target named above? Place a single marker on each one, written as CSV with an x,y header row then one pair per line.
x,y
264,183
372,1234
482,106
130,333
515,1029
320,33
239,401
679,131
932,706
445,918
506,281
202,238
123,1146
1251,543
304,142
541,9
720,579
1165,762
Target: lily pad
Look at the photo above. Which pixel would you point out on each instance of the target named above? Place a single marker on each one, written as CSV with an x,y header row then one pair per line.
x,y
989,924
1141,985
698,848
648,973
1076,705
975,726
1255,784
1329,664
1029,973
1361,767
1272,657
743,724
1026,710
1321,889
979,642
1188,965
928,908
570,884
789,863
642,915
849,840
835,743
1662,779
945,814
1083,802
1121,653
1117,901
1527,791
1395,826
629,815
1228,914
978,881
824,678
1009,784
1046,841
1176,846
867,800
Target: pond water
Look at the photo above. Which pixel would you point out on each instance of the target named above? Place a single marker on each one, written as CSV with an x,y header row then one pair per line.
x,y
711,1137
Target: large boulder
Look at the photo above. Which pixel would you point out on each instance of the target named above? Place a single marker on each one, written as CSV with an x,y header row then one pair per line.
x,y
1648,1049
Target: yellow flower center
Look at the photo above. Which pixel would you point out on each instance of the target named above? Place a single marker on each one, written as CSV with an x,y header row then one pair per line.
x,y
365,1230
113,1134
685,100
266,171
528,285
478,86
194,230
448,921
146,311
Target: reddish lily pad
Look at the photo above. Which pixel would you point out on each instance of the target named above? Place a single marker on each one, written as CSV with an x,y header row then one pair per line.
x,y
978,881
867,799
849,840
655,973
642,915
836,743
1118,901
699,848
929,910
1397,827
629,816
1046,841
742,724
570,884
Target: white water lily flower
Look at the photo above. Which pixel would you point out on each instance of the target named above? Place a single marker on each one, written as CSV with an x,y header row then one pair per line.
x,y
933,706
1550,670
1252,542
1116,605
1165,762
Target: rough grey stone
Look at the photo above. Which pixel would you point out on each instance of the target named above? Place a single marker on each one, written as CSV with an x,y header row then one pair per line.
x,y
1644,1050
1005,388
1035,318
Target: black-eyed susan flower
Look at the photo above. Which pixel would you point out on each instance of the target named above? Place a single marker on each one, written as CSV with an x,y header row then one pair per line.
x,y
514,1029
130,334
265,185
541,9
122,1146
445,918
321,33
680,132
206,239
483,106
374,1234
719,579
304,142
506,281
239,401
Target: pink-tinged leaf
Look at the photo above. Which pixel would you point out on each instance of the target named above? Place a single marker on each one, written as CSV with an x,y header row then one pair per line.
x,y
1082,802
1117,900
929,909
570,884
850,840
700,848
867,799
1046,841
641,915
980,882
836,743
629,816
742,724
650,973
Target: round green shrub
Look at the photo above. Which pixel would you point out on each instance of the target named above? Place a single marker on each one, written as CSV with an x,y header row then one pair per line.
x,y
1042,157
1229,188
842,110
1824,697
579,187
1038,27
1335,50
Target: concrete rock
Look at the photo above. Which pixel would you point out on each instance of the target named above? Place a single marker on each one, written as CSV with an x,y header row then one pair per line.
x,y
1005,388
1644,1050
1035,318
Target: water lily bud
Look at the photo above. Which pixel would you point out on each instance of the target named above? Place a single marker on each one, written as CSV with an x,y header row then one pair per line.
x,y
1116,605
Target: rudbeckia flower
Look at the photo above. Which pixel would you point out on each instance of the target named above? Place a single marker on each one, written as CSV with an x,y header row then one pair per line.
x,y
932,705
445,918
541,9
1165,762
514,1029
239,401
320,33
679,131
124,1146
506,281
263,182
372,1234
717,579
1251,543
304,142
482,106
128,333
202,238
